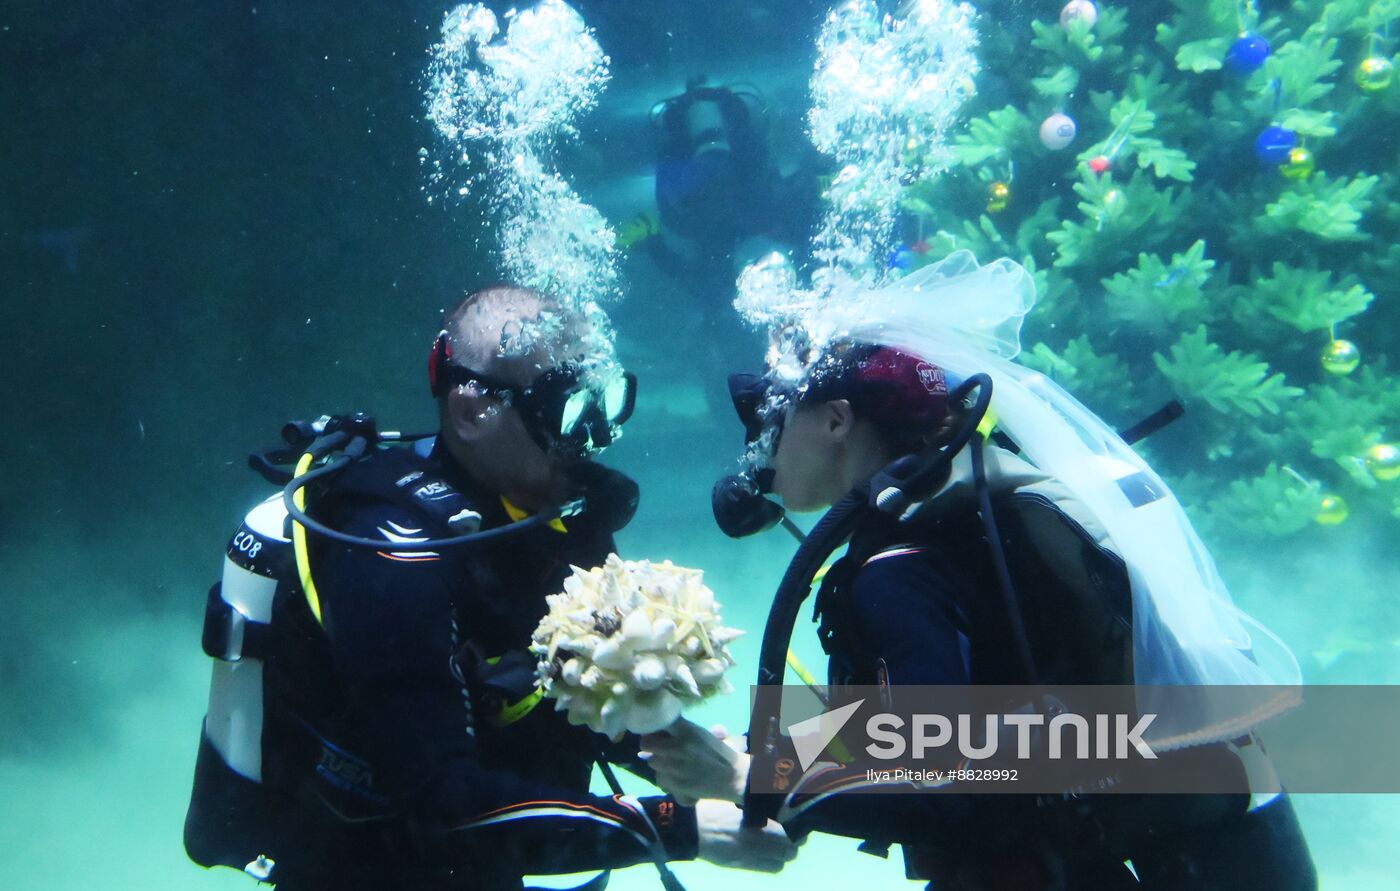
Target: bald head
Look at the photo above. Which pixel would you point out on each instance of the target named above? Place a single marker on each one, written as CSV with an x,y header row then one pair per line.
x,y
514,332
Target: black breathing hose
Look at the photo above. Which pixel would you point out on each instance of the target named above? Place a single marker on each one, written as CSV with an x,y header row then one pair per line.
x,y
833,528
353,451
658,851
1008,591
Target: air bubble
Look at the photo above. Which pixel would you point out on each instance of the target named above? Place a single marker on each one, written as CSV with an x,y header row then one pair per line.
x,y
499,100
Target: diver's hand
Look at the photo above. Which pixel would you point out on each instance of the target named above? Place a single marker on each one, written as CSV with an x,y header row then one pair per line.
x,y
692,763
724,841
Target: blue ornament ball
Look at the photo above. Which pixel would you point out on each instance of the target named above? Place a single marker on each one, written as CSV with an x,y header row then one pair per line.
x,y
900,258
1247,54
1274,144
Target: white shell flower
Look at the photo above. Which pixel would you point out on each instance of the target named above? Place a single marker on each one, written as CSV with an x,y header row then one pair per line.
x,y
649,672
571,672
629,644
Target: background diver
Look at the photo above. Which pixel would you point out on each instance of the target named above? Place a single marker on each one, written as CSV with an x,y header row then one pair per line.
x,y
721,198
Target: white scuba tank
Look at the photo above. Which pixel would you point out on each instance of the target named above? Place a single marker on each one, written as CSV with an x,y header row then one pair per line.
x,y
256,553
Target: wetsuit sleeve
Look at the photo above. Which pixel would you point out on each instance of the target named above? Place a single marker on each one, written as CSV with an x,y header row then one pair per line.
x,y
906,617
391,625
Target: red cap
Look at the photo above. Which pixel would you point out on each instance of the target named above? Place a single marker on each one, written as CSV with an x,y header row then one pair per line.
x,y
906,387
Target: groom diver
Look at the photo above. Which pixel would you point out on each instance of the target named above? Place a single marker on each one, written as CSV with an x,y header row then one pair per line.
x,y
372,719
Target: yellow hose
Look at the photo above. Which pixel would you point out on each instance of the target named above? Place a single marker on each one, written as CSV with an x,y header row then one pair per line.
x,y
308,587
793,662
800,670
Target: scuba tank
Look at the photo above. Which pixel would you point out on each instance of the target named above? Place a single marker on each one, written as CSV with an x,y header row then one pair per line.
x,y
236,617
228,807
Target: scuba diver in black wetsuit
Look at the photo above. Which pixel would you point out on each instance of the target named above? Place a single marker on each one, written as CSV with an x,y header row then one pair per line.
x,y
372,719
920,598
720,197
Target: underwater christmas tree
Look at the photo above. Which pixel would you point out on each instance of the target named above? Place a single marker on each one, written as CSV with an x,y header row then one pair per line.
x,y
1206,193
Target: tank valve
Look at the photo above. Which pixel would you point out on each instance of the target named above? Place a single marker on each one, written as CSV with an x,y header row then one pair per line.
x,y
261,868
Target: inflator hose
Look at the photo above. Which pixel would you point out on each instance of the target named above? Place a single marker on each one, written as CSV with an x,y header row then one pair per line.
x,y
833,528
291,494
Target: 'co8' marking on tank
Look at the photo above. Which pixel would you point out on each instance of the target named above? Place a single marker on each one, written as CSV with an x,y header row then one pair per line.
x,y
247,543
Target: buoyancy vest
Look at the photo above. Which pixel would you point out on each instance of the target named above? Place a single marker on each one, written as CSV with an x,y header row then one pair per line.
x,y
1075,599
1072,588
275,716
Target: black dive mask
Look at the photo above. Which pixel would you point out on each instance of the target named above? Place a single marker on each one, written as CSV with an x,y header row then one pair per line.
x,y
738,501
567,412
749,392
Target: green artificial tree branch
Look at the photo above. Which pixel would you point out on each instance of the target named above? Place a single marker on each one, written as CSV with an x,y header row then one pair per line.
x,y
1157,294
1081,44
1322,206
1116,219
1274,503
1200,371
1308,299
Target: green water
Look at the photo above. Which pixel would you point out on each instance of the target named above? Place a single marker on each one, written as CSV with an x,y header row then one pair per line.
x,y
212,220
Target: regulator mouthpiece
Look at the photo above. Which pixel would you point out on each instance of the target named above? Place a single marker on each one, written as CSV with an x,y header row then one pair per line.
x,y
740,507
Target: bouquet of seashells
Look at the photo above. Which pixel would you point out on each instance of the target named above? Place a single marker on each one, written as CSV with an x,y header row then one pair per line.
x,y
629,644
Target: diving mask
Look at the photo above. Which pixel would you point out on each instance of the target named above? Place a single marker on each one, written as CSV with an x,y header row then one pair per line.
x,y
570,411
738,501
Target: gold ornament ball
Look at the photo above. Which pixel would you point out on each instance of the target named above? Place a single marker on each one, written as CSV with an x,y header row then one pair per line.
x,y
998,197
1340,357
913,152
1331,511
1374,74
1300,164
1383,461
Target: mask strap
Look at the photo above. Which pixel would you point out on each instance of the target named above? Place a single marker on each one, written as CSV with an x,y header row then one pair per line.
x,y
438,358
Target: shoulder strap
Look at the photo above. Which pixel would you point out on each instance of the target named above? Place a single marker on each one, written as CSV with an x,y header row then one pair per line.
x,y
834,610
393,476
405,477
1077,603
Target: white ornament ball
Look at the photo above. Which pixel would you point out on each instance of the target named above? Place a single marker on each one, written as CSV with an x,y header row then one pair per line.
x,y
1058,131
1079,9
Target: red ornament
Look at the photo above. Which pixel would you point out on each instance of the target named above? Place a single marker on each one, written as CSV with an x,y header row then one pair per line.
x,y
920,247
1100,164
